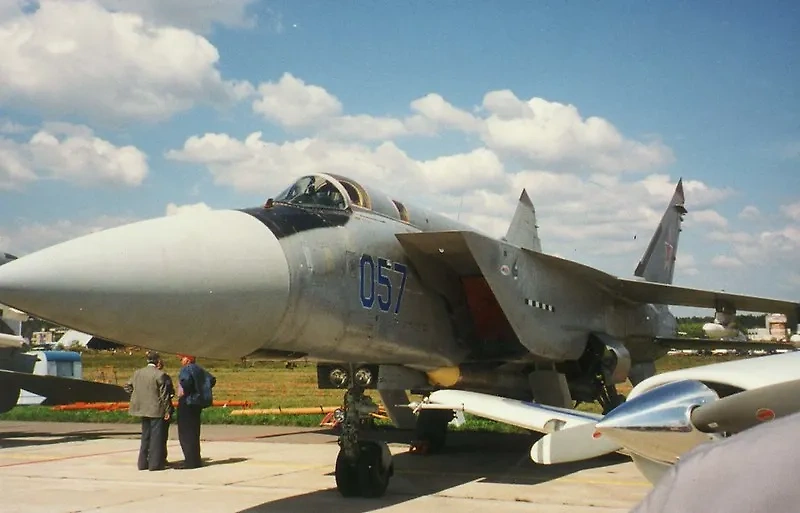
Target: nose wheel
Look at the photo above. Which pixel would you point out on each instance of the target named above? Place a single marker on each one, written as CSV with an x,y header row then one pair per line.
x,y
368,474
363,467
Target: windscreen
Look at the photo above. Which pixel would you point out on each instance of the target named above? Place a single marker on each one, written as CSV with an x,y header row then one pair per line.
x,y
314,191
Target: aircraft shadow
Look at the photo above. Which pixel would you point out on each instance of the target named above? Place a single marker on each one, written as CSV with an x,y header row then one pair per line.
x,y
321,431
486,457
11,439
207,462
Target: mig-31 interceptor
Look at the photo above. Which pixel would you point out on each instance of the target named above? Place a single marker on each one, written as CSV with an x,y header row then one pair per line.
x,y
383,295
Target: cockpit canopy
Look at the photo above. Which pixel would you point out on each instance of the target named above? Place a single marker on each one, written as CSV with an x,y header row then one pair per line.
x,y
314,191
339,192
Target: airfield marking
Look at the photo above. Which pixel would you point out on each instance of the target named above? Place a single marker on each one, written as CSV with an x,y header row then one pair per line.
x,y
63,458
570,479
300,466
49,459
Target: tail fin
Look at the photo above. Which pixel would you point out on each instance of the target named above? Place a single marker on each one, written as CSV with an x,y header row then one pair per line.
x,y
658,262
523,231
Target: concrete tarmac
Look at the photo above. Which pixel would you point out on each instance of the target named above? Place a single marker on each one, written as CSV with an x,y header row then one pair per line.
x,y
72,467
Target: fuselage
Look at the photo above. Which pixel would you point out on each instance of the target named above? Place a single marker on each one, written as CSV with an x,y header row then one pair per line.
x,y
317,272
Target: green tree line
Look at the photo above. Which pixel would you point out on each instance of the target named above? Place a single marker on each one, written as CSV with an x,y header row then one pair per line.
x,y
693,326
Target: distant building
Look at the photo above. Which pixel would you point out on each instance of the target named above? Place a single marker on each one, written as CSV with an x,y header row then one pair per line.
x,y
776,324
41,338
775,329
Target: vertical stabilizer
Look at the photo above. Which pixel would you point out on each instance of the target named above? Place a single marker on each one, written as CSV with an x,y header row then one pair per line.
x,y
658,262
523,231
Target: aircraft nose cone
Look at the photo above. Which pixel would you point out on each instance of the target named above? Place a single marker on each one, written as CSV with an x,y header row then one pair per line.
x,y
213,283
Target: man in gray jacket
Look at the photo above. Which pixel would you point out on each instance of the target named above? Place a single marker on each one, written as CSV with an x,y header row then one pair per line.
x,y
149,388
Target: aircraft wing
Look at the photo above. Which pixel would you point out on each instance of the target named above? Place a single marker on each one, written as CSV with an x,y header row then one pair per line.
x,y
735,345
457,249
577,426
666,294
61,390
664,417
661,293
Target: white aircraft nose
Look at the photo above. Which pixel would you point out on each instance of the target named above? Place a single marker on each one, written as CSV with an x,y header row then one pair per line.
x,y
209,284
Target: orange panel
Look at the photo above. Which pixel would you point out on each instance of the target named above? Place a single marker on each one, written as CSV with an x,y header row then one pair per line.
x,y
489,319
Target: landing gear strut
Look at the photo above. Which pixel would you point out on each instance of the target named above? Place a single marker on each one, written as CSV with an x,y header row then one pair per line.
x,y
363,467
431,431
608,397
600,368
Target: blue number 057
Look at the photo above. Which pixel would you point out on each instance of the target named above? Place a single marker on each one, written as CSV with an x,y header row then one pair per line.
x,y
375,283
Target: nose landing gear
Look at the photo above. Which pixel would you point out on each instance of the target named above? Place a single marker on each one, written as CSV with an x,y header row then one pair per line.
x,y
363,467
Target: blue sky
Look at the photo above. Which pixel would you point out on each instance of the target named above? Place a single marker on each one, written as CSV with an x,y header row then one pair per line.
x,y
513,91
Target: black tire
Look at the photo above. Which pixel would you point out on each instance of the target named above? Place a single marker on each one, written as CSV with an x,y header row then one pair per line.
x,y
432,428
373,478
8,399
346,473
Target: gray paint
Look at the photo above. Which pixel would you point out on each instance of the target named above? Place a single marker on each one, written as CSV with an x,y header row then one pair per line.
x,y
752,472
220,284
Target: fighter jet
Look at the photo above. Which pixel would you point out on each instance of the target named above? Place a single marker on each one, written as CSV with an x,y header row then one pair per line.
x,y
17,366
383,294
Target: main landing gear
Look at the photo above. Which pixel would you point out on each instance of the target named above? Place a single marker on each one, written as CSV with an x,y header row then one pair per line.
x,y
363,467
431,431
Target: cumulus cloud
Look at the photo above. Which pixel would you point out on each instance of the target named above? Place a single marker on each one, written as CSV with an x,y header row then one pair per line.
x,y
750,212
686,264
538,131
71,153
478,169
579,216
292,103
12,8
726,262
792,211
572,166
27,236
75,57
709,217
253,164
735,237
192,208
11,127
195,15
701,195
441,113
778,246
546,132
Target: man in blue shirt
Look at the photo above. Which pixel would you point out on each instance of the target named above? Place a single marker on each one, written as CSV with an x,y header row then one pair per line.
x,y
194,394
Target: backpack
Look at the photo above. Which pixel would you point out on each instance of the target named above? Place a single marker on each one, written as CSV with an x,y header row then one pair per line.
x,y
205,392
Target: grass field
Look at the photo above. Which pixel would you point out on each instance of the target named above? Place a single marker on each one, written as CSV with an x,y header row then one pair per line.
x,y
265,384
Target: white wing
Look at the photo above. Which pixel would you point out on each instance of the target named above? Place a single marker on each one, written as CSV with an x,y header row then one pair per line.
x,y
570,434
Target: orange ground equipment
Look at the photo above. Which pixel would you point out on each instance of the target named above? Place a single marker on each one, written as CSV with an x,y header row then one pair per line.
x,y
124,405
